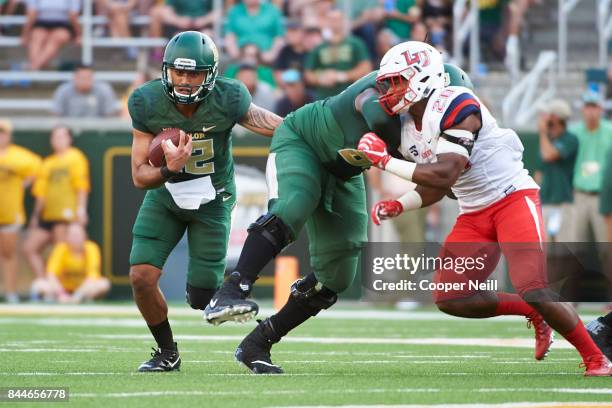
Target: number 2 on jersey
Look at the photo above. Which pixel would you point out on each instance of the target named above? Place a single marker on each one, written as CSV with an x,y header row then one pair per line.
x,y
202,152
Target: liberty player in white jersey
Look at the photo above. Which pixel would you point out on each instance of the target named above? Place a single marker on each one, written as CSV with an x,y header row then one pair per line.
x,y
454,143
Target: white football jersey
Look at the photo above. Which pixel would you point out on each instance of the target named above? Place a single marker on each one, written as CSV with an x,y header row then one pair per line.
x,y
495,168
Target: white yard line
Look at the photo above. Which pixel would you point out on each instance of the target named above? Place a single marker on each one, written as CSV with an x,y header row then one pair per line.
x,y
389,391
130,310
468,405
477,341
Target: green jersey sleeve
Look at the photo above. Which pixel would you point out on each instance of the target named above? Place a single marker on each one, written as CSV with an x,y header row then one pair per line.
x,y
373,113
137,109
241,100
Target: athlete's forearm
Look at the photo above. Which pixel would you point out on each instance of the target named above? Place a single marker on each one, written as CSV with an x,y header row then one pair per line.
x,y
441,175
261,121
147,177
430,195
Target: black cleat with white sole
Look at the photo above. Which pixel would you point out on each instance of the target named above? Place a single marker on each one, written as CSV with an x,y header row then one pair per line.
x,y
230,302
254,350
601,334
162,360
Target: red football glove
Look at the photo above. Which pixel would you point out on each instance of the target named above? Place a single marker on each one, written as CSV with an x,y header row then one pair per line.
x,y
383,210
375,148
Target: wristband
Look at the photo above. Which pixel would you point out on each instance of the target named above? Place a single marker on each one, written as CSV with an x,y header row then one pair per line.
x,y
401,168
411,200
166,173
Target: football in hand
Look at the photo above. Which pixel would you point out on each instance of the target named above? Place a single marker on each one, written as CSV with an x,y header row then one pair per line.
x,y
156,152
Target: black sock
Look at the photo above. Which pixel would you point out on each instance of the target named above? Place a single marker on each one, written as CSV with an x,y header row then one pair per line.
x,y
256,253
163,335
289,317
607,319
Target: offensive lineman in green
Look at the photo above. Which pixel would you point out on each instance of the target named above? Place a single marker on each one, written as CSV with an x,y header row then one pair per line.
x,y
195,189
314,180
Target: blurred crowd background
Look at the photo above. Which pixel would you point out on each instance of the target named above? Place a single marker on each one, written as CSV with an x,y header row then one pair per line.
x,y
67,65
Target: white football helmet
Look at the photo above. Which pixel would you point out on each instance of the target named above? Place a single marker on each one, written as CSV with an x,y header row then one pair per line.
x,y
409,72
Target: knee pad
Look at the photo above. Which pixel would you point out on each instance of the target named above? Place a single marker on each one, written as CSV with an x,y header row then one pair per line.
x,y
198,298
273,229
309,293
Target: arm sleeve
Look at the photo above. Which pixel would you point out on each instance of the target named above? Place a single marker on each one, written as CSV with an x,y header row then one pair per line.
x,y
566,146
137,109
80,173
93,260
31,165
373,113
54,264
241,102
460,108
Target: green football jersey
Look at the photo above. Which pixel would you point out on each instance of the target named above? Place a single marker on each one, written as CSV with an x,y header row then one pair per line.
x,y
333,127
210,127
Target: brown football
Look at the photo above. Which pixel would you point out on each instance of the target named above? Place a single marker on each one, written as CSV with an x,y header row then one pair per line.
x,y
156,152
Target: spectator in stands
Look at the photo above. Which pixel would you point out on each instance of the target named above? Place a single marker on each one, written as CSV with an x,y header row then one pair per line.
x,y
605,199
254,22
293,54
85,97
50,24
491,28
73,271
400,15
312,38
339,61
250,55
558,149
7,7
18,166
295,93
61,190
118,14
437,16
262,93
173,16
365,17
594,140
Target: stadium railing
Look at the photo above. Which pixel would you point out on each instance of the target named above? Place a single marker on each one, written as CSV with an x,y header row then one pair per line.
x,y
604,28
466,23
521,103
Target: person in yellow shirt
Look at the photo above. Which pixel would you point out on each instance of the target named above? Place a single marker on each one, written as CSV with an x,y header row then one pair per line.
x,y
73,270
61,191
18,166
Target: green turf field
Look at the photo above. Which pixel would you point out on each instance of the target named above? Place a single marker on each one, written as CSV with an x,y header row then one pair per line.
x,y
359,357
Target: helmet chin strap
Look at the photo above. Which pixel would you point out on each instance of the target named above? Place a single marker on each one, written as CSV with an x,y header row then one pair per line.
x,y
196,93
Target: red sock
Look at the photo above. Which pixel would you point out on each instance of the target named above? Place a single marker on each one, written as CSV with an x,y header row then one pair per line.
x,y
511,304
582,341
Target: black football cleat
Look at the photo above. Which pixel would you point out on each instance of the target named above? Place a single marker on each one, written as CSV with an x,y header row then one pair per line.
x,y
254,350
601,334
162,360
230,302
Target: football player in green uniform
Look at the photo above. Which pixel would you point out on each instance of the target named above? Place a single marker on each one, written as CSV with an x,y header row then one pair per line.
x,y
194,190
314,180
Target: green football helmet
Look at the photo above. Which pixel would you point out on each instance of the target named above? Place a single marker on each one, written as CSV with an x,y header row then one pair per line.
x,y
455,76
190,51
